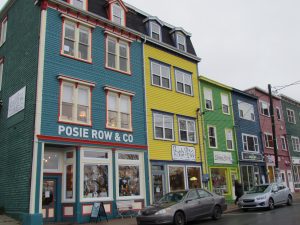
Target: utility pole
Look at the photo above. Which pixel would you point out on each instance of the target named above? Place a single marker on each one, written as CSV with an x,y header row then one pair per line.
x,y
274,134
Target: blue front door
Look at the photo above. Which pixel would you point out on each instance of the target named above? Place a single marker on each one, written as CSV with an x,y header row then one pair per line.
x,y
50,199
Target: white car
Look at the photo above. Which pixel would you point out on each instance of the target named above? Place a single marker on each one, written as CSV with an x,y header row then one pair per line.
x,y
266,196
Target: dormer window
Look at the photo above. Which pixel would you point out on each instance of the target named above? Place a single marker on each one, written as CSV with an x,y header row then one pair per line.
x,y
79,3
118,14
155,31
181,43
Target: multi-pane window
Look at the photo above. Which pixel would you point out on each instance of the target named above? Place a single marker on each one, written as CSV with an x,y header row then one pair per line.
x,y
295,143
117,54
246,111
278,113
75,103
283,143
208,99
77,41
160,75
118,14
265,108
1,73
225,103
155,31
119,111
181,42
163,126
187,130
269,143
79,3
183,82
250,143
291,116
3,31
229,139
212,136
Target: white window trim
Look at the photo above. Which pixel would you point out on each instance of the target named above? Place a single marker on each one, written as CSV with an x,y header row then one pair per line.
x,y
294,116
84,4
280,114
184,74
60,162
68,162
186,120
295,138
139,163
1,72
160,75
283,138
82,26
261,108
212,99
231,130
118,42
151,29
118,127
184,174
75,85
177,41
266,142
3,33
154,132
215,129
250,105
225,95
253,136
122,14
96,161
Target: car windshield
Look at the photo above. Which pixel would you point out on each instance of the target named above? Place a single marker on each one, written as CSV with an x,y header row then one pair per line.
x,y
173,196
260,189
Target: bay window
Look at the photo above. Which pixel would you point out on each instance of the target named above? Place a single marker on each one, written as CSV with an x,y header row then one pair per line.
x,y
76,40
187,130
117,54
183,82
163,126
119,112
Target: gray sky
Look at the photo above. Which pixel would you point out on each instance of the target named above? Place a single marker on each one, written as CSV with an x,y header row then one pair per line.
x,y
242,43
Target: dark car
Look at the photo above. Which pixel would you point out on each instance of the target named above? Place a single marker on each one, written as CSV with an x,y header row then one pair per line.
x,y
181,207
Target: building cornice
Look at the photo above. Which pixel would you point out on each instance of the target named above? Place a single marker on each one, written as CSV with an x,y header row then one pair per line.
x,y
202,78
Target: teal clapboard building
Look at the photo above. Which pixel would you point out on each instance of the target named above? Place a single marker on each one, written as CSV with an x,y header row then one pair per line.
x,y
82,130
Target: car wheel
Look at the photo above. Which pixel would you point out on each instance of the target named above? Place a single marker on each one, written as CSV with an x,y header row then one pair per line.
x,y
289,200
271,204
179,218
217,213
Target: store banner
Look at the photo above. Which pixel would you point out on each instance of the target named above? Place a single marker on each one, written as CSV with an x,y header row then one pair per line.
x,y
252,156
183,153
223,157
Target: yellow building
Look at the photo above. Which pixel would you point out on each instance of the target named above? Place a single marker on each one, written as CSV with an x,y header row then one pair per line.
x,y
172,106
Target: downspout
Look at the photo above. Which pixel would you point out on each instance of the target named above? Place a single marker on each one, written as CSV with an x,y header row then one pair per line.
x,y
38,112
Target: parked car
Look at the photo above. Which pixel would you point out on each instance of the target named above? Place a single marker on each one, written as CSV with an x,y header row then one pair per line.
x,y
266,196
181,207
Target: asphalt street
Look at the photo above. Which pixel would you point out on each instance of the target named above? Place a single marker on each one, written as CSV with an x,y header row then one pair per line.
x,y
282,215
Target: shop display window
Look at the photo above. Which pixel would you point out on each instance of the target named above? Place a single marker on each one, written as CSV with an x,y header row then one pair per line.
x,y
177,178
69,182
51,161
95,181
297,175
129,181
194,177
219,181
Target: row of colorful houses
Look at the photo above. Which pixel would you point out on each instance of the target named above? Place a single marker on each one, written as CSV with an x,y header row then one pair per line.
x,y
102,102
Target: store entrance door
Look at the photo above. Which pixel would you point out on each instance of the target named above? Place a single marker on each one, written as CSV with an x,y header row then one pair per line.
x,y
158,186
49,204
234,177
290,181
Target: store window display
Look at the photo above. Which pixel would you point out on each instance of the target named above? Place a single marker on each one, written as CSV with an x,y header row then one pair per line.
x,y
219,181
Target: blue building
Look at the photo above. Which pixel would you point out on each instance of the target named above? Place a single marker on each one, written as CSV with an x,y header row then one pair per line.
x,y
248,135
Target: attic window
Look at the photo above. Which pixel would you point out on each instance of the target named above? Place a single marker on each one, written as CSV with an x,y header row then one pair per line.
x,y
79,3
181,43
118,14
155,31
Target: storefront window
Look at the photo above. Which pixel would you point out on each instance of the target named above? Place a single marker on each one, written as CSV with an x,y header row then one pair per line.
x,y
95,181
51,161
69,181
176,177
297,176
194,177
219,180
129,181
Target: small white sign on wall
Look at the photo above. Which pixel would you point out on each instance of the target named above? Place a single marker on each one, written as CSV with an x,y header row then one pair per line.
x,y
222,157
183,153
16,102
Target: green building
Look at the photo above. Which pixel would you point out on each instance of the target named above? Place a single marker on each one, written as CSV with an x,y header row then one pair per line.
x,y
291,112
219,137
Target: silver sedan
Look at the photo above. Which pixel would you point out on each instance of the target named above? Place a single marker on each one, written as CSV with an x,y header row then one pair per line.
x,y
266,196
182,206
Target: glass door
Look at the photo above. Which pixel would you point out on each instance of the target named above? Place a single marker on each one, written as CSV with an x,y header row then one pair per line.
x,y
49,200
158,187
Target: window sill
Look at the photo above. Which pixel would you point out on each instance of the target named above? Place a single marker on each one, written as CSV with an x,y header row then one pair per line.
x,y
119,71
179,92
119,129
154,85
188,142
161,139
78,59
75,123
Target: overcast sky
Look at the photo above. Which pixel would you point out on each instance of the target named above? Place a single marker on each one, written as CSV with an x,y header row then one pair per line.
x,y
242,43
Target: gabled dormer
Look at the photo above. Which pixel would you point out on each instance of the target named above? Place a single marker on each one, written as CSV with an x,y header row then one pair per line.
x,y
179,36
81,4
153,26
117,12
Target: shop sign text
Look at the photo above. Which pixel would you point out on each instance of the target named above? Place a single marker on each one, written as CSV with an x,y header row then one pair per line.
x,y
296,160
252,156
222,157
183,153
92,134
